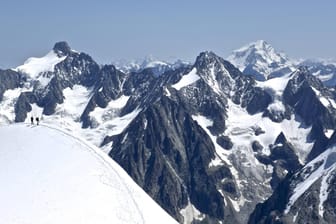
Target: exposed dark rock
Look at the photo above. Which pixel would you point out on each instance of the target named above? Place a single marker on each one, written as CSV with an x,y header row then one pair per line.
x,y
9,79
163,150
225,142
22,106
62,49
256,146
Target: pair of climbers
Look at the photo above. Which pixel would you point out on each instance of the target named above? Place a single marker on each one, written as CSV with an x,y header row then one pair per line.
x,y
32,120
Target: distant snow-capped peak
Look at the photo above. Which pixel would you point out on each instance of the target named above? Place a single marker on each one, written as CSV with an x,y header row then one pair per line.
x,y
158,66
261,60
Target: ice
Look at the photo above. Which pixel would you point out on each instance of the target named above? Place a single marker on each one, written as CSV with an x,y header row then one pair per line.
x,y
49,176
187,79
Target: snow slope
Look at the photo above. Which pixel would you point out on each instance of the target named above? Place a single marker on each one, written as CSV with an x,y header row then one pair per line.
x,y
187,79
49,176
34,66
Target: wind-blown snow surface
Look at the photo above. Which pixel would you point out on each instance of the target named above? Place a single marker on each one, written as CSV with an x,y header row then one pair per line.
x,y
49,176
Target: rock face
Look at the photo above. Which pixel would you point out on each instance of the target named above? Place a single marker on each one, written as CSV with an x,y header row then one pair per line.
x,y
9,79
304,197
205,141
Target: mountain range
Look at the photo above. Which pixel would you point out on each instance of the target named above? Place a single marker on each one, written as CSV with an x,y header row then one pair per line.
x,y
245,140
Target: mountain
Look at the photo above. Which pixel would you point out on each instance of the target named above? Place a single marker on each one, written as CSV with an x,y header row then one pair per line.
x,y
205,141
308,196
49,176
261,60
323,69
158,67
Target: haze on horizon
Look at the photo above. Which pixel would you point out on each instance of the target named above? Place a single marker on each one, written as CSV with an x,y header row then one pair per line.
x,y
114,30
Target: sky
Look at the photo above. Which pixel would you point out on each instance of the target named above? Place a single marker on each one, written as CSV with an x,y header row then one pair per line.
x,y
111,30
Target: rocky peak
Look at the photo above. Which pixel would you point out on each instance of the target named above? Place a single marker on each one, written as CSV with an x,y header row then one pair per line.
x,y
62,48
205,58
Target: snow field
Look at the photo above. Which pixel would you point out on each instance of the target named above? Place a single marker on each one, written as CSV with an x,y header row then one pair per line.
x,y
49,176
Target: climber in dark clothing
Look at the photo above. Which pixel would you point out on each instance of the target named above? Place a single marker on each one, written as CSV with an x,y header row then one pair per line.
x,y
37,120
32,120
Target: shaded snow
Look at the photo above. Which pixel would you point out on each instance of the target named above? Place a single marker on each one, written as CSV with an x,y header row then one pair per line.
x,y
62,179
7,114
187,79
191,213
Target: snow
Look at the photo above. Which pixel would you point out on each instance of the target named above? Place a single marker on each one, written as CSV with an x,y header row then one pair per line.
x,y
75,101
118,124
34,66
7,114
328,132
205,123
275,87
328,165
190,213
187,79
107,120
211,79
167,92
325,102
241,128
49,176
101,114
324,190
221,156
261,56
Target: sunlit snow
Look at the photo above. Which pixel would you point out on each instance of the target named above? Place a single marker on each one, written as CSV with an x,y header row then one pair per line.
x,y
34,66
187,79
49,176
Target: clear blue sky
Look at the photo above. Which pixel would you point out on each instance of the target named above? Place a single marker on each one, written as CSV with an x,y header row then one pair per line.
x,y
124,29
